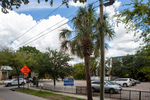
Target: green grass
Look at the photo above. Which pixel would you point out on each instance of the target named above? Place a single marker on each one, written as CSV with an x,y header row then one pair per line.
x,y
48,95
1,83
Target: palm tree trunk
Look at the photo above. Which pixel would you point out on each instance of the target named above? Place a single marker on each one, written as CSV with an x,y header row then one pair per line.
x,y
88,79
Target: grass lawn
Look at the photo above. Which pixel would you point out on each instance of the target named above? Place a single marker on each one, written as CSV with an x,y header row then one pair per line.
x,y
48,95
1,83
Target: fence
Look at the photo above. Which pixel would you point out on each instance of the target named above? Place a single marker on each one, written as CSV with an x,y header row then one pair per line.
x,y
122,95
68,89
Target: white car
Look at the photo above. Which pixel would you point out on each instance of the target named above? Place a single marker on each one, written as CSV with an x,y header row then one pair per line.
x,y
109,87
125,82
14,82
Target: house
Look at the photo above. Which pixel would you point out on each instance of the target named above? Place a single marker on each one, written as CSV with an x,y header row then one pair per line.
x,y
4,72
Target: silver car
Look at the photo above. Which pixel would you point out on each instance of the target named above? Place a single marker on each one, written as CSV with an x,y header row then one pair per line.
x,y
14,82
109,87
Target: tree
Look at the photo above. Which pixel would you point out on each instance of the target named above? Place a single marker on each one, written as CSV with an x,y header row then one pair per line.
x,y
28,49
8,4
83,44
143,54
54,64
31,52
93,66
15,59
137,17
79,71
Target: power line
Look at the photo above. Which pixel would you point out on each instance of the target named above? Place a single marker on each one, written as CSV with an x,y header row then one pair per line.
x,y
37,23
23,20
44,31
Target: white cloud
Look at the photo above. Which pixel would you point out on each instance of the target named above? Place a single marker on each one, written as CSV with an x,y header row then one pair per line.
x,y
13,25
33,5
77,4
123,43
111,9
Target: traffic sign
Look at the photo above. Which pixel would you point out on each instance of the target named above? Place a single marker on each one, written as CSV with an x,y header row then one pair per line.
x,y
68,82
25,70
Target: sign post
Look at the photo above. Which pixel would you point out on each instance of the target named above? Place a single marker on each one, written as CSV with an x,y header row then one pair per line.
x,y
25,70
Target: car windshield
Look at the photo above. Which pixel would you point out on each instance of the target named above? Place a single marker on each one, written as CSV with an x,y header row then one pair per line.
x,y
109,83
13,79
113,83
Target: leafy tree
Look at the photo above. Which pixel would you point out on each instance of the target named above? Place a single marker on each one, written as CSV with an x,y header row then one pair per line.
x,y
117,69
17,3
15,59
79,71
86,36
136,18
143,54
31,52
93,65
28,49
54,64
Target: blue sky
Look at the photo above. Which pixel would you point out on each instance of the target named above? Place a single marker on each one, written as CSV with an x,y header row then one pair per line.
x,y
19,21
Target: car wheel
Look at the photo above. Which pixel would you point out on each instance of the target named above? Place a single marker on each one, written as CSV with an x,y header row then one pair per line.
x,y
9,84
93,89
111,91
125,85
22,83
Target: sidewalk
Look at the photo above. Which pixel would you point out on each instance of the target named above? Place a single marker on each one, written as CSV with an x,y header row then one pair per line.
x,y
67,94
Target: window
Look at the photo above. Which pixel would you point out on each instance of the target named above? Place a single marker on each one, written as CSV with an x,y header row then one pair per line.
x,y
123,80
95,82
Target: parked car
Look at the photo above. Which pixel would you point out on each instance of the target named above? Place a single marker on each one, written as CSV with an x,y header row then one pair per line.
x,y
31,79
28,80
133,83
14,82
107,86
137,81
125,82
115,83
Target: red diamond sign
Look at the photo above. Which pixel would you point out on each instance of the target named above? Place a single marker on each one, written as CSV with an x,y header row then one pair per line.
x,y
25,70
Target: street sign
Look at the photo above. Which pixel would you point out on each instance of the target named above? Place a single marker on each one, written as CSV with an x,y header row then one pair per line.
x,y
68,82
25,70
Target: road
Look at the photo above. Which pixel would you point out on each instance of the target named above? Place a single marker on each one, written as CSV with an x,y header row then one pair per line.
x,y
7,94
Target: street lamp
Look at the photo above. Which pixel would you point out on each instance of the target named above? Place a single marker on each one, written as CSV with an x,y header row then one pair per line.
x,y
102,48
109,3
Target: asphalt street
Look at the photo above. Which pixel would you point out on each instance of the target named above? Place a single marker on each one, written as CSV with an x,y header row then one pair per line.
x,y
7,94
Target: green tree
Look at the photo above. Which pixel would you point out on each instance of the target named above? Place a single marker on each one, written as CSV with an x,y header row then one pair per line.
x,y
143,57
15,59
93,66
17,3
31,52
86,36
136,17
28,49
79,71
54,64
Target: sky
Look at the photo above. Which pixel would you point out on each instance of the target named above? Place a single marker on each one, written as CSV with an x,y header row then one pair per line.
x,y
39,25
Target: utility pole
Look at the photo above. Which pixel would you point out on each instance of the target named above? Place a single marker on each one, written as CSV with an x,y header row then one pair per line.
x,y
102,53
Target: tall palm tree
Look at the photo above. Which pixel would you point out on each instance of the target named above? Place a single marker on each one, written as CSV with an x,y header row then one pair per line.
x,y
83,43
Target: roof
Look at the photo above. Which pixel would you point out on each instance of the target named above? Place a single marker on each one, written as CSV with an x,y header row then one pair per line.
x,y
6,68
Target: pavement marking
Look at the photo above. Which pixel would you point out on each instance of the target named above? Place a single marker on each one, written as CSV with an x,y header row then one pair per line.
x,y
2,99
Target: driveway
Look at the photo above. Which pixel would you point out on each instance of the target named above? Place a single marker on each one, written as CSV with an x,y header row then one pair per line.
x,y
7,94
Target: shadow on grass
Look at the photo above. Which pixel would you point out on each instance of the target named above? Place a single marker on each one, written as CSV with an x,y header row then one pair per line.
x,y
47,95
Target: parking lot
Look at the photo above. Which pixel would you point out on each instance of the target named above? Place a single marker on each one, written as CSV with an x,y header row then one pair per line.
x,y
143,86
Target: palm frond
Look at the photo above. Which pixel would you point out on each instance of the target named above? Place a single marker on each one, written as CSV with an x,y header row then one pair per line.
x,y
65,33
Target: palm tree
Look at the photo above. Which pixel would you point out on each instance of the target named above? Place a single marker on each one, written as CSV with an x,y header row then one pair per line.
x,y
83,43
